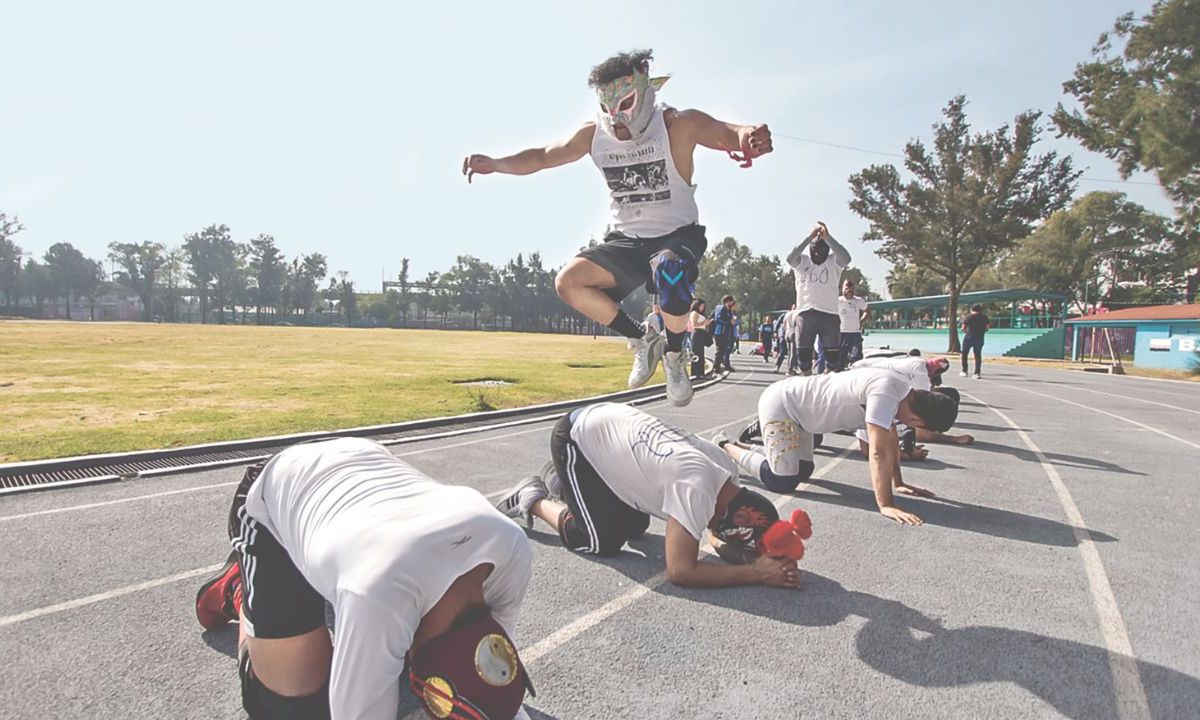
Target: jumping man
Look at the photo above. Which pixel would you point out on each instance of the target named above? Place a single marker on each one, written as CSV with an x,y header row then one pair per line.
x,y
645,151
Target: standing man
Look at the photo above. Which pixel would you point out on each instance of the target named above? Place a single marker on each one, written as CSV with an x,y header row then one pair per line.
x,y
615,466
645,151
793,410
853,313
723,334
783,330
766,332
974,326
421,575
817,275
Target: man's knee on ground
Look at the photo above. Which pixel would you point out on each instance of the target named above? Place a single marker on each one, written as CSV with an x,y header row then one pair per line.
x,y
784,483
262,703
574,534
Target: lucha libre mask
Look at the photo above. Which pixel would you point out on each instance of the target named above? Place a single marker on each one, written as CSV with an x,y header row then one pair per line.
x,y
628,101
469,673
819,251
749,516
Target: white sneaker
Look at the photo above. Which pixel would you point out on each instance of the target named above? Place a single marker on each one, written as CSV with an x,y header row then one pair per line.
x,y
720,438
962,373
977,376
550,477
679,385
647,352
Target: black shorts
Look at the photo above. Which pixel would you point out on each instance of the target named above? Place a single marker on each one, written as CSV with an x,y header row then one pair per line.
x,y
596,520
276,599
628,258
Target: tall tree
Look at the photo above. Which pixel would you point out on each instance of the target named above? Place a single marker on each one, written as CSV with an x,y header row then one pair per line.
x,y
37,283
973,197
93,282
425,299
67,269
1139,107
216,268
862,285
140,264
306,275
10,257
269,270
404,297
469,279
905,281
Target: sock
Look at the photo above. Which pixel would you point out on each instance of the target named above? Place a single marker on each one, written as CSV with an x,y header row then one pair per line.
x,y
622,324
674,341
750,462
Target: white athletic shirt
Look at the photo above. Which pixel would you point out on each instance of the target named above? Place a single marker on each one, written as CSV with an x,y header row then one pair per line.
x,y
851,312
649,197
912,369
656,468
817,285
382,543
843,401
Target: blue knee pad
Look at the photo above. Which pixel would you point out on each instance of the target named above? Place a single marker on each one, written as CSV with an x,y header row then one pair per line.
x,y
675,282
784,483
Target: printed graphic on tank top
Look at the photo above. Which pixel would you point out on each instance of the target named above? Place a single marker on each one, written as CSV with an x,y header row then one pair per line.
x,y
648,196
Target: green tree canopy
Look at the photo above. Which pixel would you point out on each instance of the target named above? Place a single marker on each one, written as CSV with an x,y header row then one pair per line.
x,y
10,257
965,202
140,264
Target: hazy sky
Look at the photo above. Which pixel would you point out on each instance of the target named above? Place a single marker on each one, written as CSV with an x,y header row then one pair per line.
x,y
340,128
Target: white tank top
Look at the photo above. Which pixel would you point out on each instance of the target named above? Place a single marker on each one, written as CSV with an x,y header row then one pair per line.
x,y
649,198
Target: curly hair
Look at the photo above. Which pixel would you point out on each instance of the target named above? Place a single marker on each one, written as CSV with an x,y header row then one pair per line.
x,y
620,65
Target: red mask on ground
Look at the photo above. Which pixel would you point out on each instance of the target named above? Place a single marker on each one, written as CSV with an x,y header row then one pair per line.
x,y
470,673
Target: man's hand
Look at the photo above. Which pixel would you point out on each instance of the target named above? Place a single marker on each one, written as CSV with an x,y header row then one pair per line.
x,y
754,140
904,518
918,453
906,489
776,572
822,230
478,165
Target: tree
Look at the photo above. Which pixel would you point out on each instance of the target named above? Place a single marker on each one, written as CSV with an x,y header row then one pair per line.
x,y
1100,240
172,276
968,201
140,264
93,282
1140,107
307,273
216,268
404,297
759,283
10,257
38,284
425,299
905,281
269,271
342,291
67,269
469,279
862,286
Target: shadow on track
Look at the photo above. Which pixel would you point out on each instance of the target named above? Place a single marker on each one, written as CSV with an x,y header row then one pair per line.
x,y
1059,459
918,650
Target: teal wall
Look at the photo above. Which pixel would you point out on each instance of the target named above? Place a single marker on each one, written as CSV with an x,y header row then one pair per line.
x,y
998,341
1177,335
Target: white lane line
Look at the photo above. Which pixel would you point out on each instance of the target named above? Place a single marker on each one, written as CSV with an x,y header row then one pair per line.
x,y
53,511
108,595
1127,682
1137,399
570,631
1164,433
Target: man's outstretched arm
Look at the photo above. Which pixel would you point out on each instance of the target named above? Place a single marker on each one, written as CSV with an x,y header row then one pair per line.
x,y
534,159
685,568
884,450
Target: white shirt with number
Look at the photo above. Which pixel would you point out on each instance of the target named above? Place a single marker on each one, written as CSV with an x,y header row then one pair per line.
x,y
841,401
382,542
654,467
817,285
851,310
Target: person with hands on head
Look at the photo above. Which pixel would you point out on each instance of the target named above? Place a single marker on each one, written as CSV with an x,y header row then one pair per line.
x,y
613,467
645,151
794,412
817,274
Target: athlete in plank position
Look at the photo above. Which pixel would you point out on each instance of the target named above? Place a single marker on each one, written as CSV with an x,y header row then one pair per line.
x,y
615,466
420,575
645,151
792,411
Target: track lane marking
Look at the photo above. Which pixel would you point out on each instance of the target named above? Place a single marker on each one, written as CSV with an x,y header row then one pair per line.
x,y
1127,681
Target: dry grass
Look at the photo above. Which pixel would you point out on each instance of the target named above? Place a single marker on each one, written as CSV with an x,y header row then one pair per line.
x,y
81,388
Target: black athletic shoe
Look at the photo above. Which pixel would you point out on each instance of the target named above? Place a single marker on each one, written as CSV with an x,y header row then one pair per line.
x,y
752,434
518,503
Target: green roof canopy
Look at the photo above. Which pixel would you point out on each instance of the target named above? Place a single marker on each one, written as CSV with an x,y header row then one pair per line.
x,y
981,297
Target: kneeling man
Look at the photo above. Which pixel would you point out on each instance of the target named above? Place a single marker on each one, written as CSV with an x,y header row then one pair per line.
x,y
792,411
615,466
420,575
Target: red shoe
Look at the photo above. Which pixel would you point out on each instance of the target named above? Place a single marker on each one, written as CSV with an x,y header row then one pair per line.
x,y
219,598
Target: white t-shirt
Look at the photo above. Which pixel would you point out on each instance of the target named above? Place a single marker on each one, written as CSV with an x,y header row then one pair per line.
x,y
913,369
817,285
851,312
652,466
382,542
789,322
843,401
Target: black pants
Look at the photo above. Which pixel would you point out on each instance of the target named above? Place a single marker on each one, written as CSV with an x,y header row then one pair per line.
x,y
766,344
699,338
595,521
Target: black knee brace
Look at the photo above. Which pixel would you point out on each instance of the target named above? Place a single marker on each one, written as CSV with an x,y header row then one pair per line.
x,y
261,703
674,279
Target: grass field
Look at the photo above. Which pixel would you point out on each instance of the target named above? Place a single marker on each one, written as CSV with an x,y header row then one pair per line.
x,y
81,388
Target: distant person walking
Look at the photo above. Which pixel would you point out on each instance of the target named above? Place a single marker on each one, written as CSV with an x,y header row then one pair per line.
x,y
723,334
737,333
817,275
853,313
974,326
766,333
699,324
783,338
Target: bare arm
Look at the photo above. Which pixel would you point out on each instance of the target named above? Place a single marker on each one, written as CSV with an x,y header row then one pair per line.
x,y
685,568
885,464
534,159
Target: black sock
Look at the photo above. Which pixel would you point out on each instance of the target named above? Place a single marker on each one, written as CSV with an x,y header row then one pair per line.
x,y
622,324
674,341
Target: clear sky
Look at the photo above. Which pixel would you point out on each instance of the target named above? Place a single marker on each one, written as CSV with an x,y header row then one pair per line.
x,y
340,127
